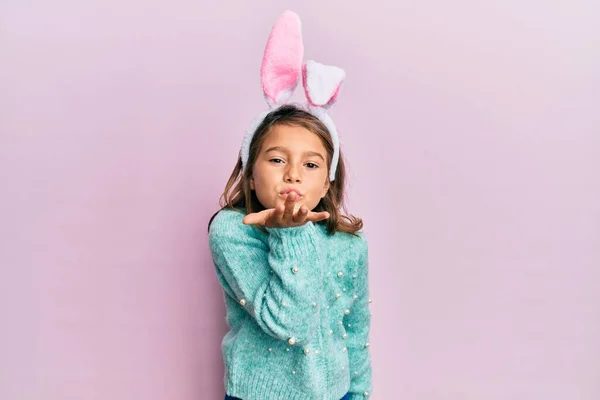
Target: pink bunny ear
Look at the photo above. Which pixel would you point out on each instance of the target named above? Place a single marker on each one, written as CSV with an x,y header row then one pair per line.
x,y
282,61
322,83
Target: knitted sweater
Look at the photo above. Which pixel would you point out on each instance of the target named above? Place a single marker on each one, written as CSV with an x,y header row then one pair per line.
x,y
297,302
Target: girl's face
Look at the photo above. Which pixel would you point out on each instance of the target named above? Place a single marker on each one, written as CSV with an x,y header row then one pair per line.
x,y
291,158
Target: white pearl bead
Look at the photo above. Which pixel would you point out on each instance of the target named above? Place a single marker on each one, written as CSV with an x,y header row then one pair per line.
x,y
346,311
243,302
370,300
293,372
316,351
292,341
344,289
367,344
349,325
345,335
331,331
270,349
295,270
355,297
287,349
354,276
344,349
340,274
314,304
366,394
306,351
337,295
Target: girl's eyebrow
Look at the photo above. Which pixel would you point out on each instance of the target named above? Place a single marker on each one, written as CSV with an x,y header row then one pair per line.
x,y
284,150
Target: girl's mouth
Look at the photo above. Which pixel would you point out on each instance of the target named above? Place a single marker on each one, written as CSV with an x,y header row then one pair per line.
x,y
286,191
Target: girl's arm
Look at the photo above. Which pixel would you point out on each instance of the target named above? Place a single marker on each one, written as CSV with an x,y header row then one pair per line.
x,y
278,282
358,325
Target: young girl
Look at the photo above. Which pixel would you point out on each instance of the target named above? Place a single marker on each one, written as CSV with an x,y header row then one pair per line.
x,y
293,268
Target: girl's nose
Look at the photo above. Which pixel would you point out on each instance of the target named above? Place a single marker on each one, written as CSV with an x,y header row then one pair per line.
x,y
292,175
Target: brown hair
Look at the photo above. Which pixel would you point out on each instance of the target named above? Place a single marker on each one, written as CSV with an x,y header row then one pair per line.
x,y
238,195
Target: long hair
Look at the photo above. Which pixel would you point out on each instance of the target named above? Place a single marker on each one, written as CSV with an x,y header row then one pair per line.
x,y
238,195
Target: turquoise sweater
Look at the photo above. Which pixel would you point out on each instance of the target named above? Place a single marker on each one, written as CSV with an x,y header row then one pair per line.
x,y
297,303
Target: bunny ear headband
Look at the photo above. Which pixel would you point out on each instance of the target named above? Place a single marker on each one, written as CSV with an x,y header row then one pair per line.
x,y
282,66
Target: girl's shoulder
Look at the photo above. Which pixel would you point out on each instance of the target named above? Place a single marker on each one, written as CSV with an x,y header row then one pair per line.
x,y
357,241
228,222
228,215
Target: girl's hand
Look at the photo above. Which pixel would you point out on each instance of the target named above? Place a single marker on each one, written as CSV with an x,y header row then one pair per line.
x,y
283,215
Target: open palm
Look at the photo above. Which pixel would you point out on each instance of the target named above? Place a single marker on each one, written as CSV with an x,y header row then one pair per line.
x,y
283,215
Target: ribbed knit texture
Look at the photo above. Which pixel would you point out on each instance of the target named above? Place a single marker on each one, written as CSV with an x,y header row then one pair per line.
x,y
297,302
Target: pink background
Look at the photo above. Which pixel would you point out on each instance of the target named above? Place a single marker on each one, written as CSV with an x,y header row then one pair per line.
x,y
472,134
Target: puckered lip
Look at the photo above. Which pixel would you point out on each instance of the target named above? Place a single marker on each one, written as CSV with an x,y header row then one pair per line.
x,y
287,190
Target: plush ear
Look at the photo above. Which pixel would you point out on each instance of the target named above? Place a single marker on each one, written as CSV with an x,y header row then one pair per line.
x,y
322,83
282,61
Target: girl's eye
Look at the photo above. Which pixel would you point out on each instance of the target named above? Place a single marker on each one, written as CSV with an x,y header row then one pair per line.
x,y
279,161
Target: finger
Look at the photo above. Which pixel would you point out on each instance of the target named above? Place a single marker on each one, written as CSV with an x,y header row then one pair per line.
x,y
301,215
288,214
250,219
277,215
255,218
318,216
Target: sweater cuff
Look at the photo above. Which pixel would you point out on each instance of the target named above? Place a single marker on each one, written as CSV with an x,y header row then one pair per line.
x,y
289,231
296,242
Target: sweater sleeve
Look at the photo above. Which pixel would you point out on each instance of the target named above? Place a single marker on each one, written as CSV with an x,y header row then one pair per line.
x,y
358,324
276,281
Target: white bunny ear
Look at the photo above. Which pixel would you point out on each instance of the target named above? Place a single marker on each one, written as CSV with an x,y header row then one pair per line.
x,y
282,61
322,83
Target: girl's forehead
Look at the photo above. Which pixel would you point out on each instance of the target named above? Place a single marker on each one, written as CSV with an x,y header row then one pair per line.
x,y
292,138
